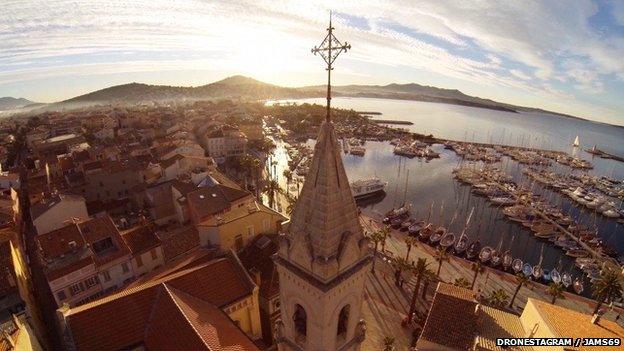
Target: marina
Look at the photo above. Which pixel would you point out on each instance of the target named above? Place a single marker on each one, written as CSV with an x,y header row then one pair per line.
x,y
563,241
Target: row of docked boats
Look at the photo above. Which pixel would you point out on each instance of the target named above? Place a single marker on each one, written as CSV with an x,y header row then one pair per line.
x,y
593,200
545,221
413,148
473,152
460,245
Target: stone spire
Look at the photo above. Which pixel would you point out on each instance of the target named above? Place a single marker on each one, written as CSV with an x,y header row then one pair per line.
x,y
324,235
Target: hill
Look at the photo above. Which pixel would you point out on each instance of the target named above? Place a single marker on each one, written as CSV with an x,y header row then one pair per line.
x,y
240,87
11,103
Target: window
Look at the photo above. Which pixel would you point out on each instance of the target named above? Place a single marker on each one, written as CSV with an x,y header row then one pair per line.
x,y
343,323
102,245
124,267
250,231
61,295
106,276
76,289
91,282
300,320
154,254
139,261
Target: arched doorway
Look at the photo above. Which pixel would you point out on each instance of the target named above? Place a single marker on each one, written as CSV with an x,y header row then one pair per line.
x,y
300,321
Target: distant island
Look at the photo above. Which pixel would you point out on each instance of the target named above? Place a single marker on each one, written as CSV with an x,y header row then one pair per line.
x,y
240,87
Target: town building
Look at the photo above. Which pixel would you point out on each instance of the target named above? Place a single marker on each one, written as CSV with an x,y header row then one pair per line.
x,y
53,212
457,321
17,334
209,304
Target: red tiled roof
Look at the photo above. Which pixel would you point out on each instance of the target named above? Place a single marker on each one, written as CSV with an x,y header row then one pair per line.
x,y
140,239
56,243
178,312
213,200
178,241
452,320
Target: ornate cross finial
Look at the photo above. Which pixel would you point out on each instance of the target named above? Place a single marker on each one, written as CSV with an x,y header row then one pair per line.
x,y
329,50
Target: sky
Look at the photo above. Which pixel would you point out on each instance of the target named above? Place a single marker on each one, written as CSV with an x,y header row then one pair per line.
x,y
566,56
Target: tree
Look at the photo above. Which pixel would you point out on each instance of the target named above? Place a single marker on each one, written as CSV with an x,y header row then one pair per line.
x,y
400,264
377,237
409,242
441,256
419,270
498,298
521,280
271,188
388,343
462,283
288,175
428,277
477,268
607,288
555,290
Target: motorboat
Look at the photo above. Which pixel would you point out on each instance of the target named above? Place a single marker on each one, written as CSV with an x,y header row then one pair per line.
x,y
578,285
555,276
527,269
497,258
363,188
485,254
437,235
406,224
473,250
516,265
395,212
447,240
415,227
547,275
461,245
537,271
566,279
425,232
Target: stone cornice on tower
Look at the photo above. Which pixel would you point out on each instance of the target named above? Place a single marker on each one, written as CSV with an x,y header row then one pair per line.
x,y
324,237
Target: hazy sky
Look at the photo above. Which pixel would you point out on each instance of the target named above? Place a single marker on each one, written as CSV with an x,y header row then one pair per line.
x,y
566,56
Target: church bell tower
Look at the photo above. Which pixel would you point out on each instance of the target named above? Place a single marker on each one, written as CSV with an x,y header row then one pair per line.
x,y
323,257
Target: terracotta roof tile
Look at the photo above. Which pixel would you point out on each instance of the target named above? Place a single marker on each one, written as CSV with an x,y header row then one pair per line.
x,y
177,312
177,241
258,256
452,321
141,239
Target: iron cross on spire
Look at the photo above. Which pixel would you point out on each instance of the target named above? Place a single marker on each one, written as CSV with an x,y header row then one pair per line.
x,y
329,50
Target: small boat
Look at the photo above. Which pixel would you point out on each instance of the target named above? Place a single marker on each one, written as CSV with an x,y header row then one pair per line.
x,y
437,235
577,253
566,279
485,254
497,258
397,221
577,142
461,245
507,260
447,240
578,285
516,265
555,276
415,227
473,250
357,150
537,271
527,269
425,232
395,212
547,275
363,188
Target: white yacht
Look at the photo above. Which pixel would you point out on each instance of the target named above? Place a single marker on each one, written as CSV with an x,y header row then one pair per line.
x,y
362,188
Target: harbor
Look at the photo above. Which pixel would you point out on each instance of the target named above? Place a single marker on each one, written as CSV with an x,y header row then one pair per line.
x,y
558,236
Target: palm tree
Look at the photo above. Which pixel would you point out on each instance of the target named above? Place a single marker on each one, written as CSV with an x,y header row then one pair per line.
x,y
522,280
255,165
498,298
377,237
409,241
462,283
271,188
428,277
400,264
477,268
419,270
386,231
607,288
288,175
555,290
441,256
388,343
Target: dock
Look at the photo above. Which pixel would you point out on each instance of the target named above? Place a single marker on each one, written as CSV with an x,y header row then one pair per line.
x,y
391,121
604,154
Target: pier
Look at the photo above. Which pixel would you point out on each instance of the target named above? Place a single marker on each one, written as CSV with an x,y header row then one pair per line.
x,y
391,121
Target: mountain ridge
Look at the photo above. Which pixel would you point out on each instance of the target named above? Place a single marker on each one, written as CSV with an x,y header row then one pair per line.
x,y
243,87
11,103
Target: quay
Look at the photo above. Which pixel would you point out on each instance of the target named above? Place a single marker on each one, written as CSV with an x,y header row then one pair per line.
x,y
391,121
604,154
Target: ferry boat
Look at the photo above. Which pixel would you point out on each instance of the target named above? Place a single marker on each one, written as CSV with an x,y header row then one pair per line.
x,y
363,188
